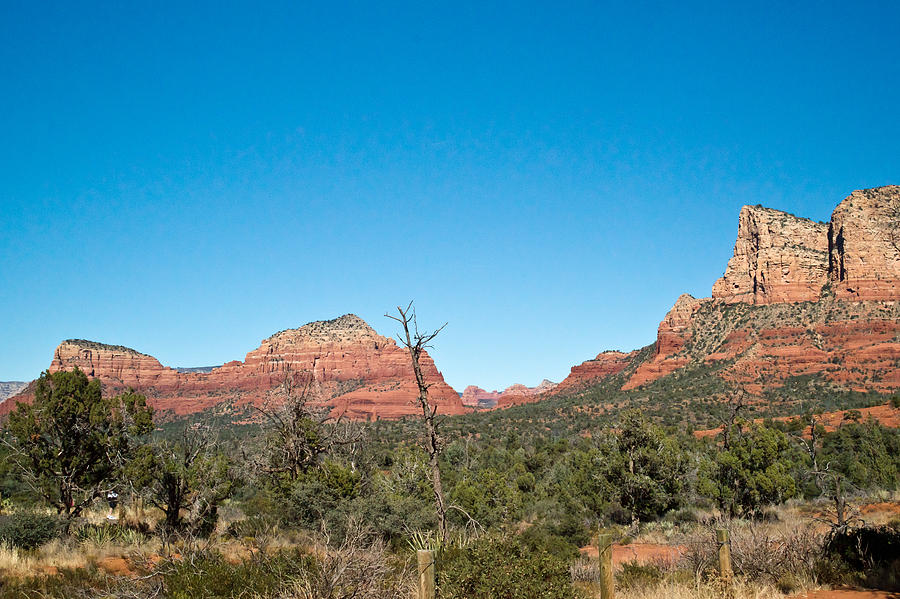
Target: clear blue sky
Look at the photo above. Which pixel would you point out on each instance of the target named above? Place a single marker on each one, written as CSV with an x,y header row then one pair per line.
x,y
187,179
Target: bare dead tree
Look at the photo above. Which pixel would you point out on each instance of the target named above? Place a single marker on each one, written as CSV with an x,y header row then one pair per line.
x,y
736,404
416,342
300,428
829,483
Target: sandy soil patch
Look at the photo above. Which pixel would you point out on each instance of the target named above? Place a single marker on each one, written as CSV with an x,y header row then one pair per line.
x,y
642,553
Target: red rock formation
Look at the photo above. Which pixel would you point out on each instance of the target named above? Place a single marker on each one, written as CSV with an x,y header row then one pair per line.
x,y
606,364
778,257
474,396
513,395
797,298
360,372
864,245
519,394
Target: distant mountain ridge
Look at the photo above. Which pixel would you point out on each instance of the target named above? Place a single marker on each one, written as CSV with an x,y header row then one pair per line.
x,y
474,396
355,371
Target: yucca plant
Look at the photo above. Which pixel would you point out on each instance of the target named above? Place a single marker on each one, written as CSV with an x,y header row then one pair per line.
x,y
428,540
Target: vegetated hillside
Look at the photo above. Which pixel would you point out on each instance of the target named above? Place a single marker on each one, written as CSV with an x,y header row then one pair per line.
x,y
354,370
805,313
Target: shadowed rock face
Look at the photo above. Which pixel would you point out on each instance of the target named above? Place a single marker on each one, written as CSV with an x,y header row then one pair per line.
x,y
864,245
358,372
797,298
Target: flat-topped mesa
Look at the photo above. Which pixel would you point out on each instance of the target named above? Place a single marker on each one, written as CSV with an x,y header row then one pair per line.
x,y
117,363
822,301
864,245
778,258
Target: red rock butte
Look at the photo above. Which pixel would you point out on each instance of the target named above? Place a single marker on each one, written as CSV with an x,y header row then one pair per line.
x,y
516,394
797,298
357,372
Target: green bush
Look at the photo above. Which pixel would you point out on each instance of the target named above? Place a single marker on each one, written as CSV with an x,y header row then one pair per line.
x,y
502,568
636,576
208,575
28,530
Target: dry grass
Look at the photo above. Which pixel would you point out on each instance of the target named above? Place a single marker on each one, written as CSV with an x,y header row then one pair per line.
x,y
704,590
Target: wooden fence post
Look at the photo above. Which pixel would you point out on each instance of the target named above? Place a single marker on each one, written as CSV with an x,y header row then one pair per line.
x,y
607,585
724,556
425,559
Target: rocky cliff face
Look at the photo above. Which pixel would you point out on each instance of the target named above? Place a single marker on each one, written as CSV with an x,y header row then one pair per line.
x,y
359,373
777,258
797,298
864,245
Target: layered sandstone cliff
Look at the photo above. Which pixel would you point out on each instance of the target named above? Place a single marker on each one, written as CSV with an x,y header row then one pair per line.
x,y
864,245
778,257
357,372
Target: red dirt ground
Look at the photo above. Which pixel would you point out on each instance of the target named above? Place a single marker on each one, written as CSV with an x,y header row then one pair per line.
x,y
642,553
885,507
117,566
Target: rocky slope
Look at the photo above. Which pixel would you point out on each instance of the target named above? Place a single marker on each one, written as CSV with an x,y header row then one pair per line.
x,y
356,371
798,299
10,388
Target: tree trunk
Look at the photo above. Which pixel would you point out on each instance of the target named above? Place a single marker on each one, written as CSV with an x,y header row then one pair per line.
x,y
415,343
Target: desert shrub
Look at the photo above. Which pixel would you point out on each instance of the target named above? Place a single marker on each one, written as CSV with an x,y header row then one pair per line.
x,y
207,575
868,556
29,530
105,534
540,537
635,576
358,568
255,526
684,515
502,568
762,554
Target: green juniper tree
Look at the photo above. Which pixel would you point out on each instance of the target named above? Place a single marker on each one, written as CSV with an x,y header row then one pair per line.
x,y
71,444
